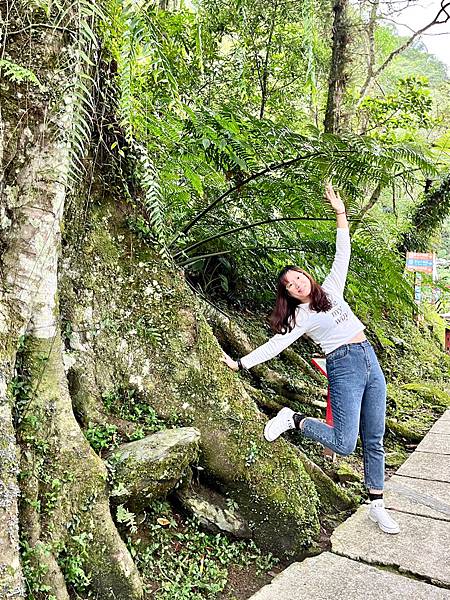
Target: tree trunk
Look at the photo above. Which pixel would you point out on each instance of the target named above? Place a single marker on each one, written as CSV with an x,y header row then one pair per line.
x,y
338,70
61,477
164,350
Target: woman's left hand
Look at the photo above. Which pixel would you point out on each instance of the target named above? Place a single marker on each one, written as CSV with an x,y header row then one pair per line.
x,y
232,364
333,198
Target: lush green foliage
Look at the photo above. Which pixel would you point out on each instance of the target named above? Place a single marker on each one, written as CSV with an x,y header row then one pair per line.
x,y
235,196
17,73
179,561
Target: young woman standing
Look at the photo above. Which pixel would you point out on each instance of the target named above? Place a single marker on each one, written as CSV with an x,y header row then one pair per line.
x,y
356,382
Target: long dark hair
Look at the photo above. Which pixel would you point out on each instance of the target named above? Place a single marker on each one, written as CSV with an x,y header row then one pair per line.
x,y
282,319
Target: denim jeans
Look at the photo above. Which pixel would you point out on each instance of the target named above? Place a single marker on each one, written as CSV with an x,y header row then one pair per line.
x,y
358,403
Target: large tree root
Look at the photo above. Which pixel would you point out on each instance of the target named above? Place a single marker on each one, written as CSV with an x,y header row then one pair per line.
x,y
68,512
165,348
11,581
274,402
87,399
230,334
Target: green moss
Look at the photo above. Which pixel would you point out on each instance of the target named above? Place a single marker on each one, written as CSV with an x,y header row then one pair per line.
x,y
430,392
183,378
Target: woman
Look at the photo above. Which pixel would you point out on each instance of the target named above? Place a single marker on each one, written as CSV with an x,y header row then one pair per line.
x,y
357,384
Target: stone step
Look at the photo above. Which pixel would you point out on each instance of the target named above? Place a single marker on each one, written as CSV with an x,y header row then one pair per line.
x,y
332,577
445,416
441,426
422,547
426,465
414,564
437,443
418,497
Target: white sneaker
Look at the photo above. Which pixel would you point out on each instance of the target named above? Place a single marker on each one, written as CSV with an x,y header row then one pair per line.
x,y
378,514
282,422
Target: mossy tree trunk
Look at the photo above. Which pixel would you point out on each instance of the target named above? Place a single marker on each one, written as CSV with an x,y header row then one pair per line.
x,y
56,461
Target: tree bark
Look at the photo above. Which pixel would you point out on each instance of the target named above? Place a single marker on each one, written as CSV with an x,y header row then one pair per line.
x,y
338,76
39,154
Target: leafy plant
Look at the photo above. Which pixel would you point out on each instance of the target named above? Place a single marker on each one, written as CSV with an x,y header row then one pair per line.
x,y
126,404
72,561
17,73
101,436
187,563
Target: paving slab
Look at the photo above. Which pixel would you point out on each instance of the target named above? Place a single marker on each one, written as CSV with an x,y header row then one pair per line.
x,y
425,465
441,427
422,547
445,416
332,577
418,497
437,443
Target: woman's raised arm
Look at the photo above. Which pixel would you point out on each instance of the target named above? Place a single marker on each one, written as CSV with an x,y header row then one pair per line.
x,y
335,281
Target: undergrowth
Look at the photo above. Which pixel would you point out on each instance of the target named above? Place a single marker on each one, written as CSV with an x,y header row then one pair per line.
x,y
180,561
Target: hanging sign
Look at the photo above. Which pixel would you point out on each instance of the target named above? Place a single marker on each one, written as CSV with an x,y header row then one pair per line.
x,y
421,262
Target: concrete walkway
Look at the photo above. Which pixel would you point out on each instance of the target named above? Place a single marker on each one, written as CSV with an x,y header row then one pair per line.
x,y
367,564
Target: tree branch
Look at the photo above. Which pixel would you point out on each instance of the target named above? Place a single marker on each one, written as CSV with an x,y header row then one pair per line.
x,y
444,10
372,200
265,72
243,227
273,167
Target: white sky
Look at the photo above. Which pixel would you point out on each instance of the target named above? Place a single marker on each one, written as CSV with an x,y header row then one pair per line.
x,y
414,15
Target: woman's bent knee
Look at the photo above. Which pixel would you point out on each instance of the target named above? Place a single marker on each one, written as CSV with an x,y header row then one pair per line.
x,y
346,448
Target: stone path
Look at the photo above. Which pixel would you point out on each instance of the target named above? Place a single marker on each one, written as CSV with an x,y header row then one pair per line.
x,y
367,564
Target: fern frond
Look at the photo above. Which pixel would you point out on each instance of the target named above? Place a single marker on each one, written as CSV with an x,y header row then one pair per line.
x,y
17,73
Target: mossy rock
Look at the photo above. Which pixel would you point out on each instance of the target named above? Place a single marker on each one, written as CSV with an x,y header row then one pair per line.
x,y
347,473
395,458
150,468
430,392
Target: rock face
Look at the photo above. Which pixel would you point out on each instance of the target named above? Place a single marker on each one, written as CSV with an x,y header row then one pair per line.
x,y
151,467
213,511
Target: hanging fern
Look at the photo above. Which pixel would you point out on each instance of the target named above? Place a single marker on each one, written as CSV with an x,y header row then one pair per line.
x,y
152,199
17,73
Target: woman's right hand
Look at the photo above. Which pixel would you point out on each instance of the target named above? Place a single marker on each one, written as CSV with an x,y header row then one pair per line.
x,y
232,364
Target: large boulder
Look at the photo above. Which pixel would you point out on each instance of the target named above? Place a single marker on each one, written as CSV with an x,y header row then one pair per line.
x,y
153,466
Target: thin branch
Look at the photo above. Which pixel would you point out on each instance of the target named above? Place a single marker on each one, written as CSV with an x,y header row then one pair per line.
x,y
213,204
265,72
371,36
193,259
243,227
445,7
372,200
34,25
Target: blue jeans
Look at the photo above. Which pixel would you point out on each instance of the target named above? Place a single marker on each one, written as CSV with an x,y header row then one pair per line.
x,y
358,402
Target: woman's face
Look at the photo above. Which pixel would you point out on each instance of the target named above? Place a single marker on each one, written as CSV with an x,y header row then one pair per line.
x,y
297,285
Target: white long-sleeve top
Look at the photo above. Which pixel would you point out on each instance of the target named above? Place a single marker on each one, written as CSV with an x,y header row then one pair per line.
x,y
329,329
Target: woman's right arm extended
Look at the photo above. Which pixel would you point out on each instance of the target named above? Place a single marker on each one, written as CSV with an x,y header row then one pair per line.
x,y
270,349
